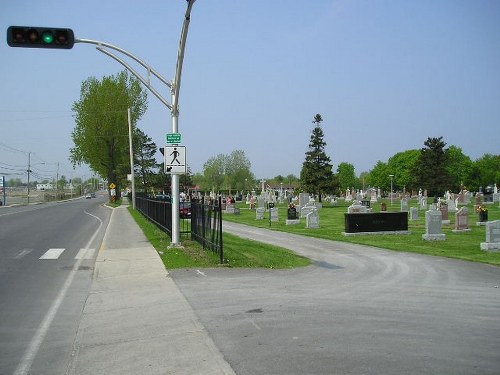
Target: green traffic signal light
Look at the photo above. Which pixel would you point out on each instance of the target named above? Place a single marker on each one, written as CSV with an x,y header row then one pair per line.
x,y
40,37
47,37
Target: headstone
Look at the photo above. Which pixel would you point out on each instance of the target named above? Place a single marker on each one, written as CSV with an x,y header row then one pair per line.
x,y
423,203
462,220
433,226
452,207
274,214
404,205
304,211
357,209
444,214
413,213
383,207
253,202
261,202
492,236
496,197
312,219
303,199
292,213
259,213
292,216
230,208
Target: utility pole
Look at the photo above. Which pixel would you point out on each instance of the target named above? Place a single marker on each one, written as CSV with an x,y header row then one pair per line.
x,y
62,38
132,173
29,171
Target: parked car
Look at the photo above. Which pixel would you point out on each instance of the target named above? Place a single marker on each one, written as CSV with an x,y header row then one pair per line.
x,y
185,209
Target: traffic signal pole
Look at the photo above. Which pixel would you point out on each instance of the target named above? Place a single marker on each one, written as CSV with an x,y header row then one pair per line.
x,y
43,37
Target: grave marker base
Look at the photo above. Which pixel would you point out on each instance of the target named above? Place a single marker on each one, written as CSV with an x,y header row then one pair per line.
x,y
461,230
292,222
434,237
347,234
490,246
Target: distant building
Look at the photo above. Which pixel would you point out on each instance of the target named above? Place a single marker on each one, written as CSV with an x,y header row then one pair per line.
x,y
42,187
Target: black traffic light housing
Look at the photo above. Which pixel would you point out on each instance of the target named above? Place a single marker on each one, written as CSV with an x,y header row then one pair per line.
x,y
40,37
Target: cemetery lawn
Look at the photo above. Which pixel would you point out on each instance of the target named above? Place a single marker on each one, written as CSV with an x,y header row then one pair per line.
x,y
238,252
465,246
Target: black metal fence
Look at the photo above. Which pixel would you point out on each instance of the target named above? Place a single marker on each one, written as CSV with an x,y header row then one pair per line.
x,y
204,226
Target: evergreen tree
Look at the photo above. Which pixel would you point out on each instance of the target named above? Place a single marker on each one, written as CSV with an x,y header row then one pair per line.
x,y
431,169
144,157
316,175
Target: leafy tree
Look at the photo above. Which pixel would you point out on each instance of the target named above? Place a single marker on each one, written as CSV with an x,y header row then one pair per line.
x,y
401,165
186,180
488,167
316,175
237,170
101,132
228,172
214,172
460,168
144,157
379,176
346,176
431,169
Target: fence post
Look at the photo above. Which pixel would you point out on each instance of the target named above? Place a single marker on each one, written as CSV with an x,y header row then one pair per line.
x,y
220,231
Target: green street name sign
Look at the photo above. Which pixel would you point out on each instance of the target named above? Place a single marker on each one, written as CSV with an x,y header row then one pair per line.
x,y
174,138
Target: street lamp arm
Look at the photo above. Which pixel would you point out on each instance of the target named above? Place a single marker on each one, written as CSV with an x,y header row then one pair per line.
x,y
135,73
176,85
125,52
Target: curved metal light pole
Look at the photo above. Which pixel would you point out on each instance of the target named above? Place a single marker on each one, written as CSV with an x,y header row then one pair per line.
x,y
174,107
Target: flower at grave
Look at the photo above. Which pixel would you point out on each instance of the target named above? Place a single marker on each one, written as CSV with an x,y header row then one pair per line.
x,y
481,209
291,205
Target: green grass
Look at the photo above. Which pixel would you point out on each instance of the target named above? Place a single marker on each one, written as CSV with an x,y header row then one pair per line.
x,y
464,246
238,252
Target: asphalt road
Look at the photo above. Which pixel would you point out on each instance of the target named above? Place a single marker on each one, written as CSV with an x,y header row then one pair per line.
x,y
47,254
357,310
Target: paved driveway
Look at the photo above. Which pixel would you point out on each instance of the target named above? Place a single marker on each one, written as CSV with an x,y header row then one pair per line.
x,y
357,310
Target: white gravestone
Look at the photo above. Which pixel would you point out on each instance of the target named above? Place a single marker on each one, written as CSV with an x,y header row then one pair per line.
x,y
259,213
308,208
423,203
433,226
312,219
413,213
303,199
452,207
357,209
274,214
404,205
492,236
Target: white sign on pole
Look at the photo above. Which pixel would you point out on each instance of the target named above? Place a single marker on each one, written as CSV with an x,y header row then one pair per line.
x,y
175,159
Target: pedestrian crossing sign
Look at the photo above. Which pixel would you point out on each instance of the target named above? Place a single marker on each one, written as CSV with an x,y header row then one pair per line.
x,y
175,159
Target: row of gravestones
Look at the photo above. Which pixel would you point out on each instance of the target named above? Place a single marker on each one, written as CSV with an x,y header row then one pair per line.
x,y
312,216
434,221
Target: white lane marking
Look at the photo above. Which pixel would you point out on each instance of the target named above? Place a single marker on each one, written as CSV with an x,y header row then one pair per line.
x,y
52,254
200,273
22,253
85,254
29,355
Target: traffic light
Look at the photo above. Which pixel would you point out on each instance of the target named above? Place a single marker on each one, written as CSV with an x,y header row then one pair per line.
x,y
40,37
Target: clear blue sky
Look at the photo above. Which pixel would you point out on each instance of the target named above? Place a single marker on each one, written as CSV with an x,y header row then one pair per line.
x,y
385,75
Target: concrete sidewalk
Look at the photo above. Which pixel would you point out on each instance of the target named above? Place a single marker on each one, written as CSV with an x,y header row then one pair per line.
x,y
135,320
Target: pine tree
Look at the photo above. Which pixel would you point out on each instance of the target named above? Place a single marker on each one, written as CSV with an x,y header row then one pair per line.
x,y
431,170
316,175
